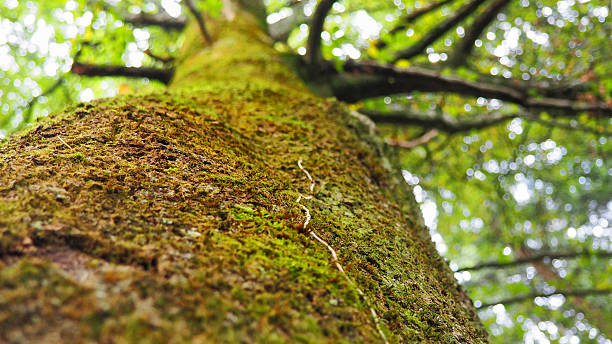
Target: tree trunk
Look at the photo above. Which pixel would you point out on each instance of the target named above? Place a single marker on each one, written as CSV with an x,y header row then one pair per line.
x,y
173,217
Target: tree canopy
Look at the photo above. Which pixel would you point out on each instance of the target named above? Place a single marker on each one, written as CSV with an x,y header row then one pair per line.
x,y
499,110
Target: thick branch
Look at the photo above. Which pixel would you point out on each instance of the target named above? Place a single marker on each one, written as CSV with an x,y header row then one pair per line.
x,y
362,80
442,122
521,298
368,80
200,19
162,20
452,125
537,258
438,31
163,75
466,45
316,27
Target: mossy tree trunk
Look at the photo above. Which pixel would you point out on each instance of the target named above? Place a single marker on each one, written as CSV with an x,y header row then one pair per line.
x,y
172,217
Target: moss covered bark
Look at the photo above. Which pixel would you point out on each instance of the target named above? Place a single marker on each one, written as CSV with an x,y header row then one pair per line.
x,y
171,217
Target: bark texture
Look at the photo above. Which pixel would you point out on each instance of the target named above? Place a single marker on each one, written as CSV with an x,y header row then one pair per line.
x,y
171,217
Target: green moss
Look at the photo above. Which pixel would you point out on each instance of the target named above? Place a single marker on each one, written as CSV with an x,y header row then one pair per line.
x,y
179,207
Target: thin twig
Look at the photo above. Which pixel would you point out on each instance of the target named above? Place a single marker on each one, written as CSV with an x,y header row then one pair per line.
x,y
428,136
29,108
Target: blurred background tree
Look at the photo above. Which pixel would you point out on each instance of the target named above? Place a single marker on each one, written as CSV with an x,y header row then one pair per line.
x,y
499,110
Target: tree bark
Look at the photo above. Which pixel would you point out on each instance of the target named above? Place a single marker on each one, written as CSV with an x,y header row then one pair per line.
x,y
172,217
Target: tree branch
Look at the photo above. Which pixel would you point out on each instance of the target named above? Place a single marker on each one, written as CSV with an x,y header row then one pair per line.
x,y
149,53
466,45
313,46
537,258
163,75
416,14
428,136
521,298
29,107
28,116
442,122
438,31
365,79
453,125
200,19
162,20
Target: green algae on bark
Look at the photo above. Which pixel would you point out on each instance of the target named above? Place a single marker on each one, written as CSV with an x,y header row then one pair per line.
x,y
171,217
